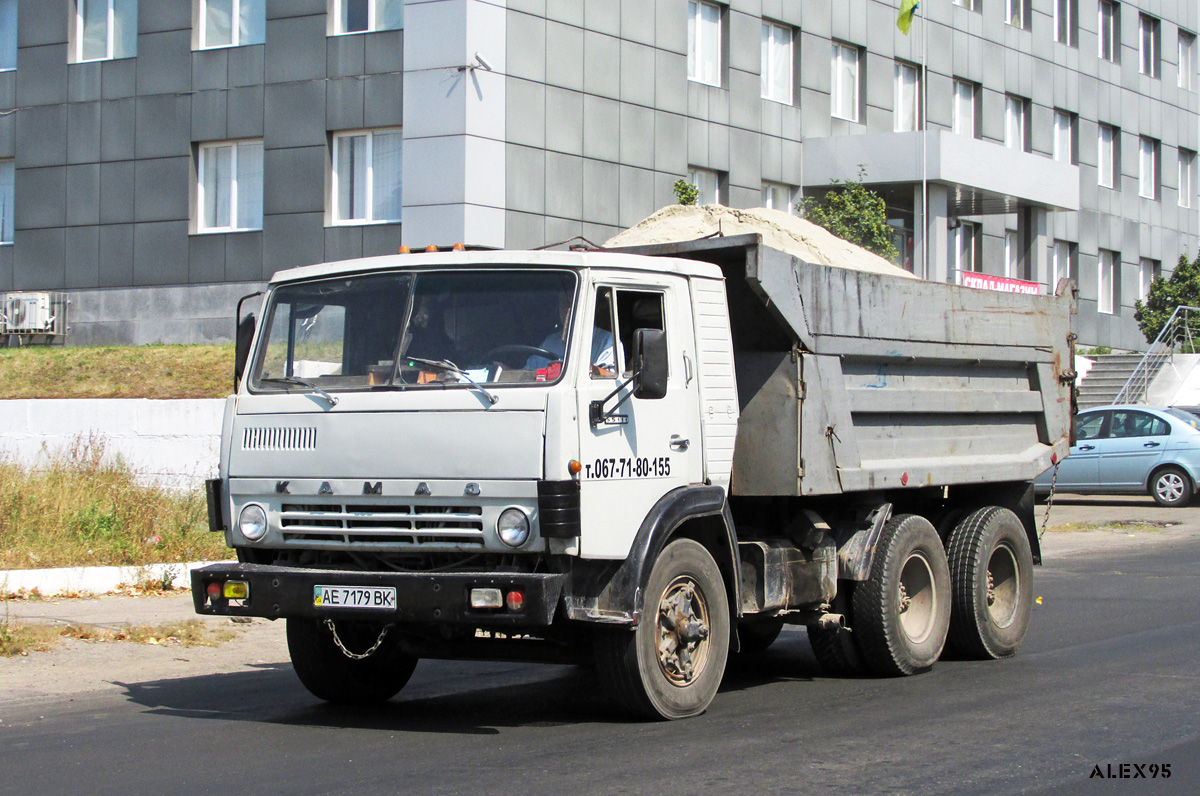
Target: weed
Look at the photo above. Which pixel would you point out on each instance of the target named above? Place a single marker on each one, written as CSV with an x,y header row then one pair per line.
x,y
151,371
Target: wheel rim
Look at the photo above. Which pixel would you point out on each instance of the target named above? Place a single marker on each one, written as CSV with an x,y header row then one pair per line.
x,y
1003,586
917,599
1169,487
683,631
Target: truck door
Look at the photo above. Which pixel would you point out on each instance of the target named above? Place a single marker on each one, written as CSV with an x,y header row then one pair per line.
x,y
646,447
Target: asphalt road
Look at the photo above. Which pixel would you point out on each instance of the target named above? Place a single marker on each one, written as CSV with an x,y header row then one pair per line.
x,y
1107,676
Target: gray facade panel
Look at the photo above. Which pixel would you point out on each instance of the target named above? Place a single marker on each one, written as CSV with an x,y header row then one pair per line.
x,y
160,253
83,195
345,56
637,136
49,185
6,267
38,257
343,243
384,52
164,62
42,78
82,253
564,56
42,136
344,103
525,113
602,128
162,15
116,192
292,239
247,65
206,258
283,9
670,143
525,178
564,120
116,255
670,82
163,126
210,69
564,185
380,239
245,112
294,180
244,256
84,82
384,100
521,230
526,46
602,65
637,64
295,49
568,11
35,27
209,111
161,189
295,114
8,89
83,132
118,78
602,192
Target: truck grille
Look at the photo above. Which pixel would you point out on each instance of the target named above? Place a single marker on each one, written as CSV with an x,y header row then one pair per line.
x,y
413,525
279,439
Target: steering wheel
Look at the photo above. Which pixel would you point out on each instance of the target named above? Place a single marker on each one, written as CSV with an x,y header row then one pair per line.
x,y
506,354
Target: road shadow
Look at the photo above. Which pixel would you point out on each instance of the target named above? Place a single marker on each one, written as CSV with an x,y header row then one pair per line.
x,y
464,697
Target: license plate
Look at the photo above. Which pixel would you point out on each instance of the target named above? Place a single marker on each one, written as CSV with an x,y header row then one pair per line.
x,y
377,597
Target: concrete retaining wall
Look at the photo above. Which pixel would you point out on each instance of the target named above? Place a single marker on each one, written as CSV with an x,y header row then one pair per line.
x,y
176,443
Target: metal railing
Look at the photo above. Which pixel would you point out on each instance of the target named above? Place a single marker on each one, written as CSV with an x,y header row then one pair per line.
x,y
1180,333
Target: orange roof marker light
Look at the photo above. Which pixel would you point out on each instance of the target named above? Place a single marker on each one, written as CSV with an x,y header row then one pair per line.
x,y
431,248
458,247
405,250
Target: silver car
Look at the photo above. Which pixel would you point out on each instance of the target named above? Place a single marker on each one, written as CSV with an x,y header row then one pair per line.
x,y
1131,449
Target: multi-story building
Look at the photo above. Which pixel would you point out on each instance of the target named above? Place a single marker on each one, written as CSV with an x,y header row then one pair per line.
x,y
160,159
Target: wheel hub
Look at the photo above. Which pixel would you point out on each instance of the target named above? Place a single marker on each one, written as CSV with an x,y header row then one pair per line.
x,y
682,632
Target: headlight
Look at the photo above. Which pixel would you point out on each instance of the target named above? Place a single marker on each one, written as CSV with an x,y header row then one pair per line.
x,y
513,527
253,522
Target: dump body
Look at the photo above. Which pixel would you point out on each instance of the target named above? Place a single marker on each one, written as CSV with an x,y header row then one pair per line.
x,y
851,381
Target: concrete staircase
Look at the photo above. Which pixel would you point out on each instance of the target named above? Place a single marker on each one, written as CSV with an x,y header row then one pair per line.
x,y
1108,376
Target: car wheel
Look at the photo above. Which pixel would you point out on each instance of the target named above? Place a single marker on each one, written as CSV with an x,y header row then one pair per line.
x,y
1171,486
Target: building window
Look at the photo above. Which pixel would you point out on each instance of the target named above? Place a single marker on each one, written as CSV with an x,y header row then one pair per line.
x,y
1187,59
704,43
232,23
8,34
1063,262
1016,12
777,196
1149,46
964,243
104,29
1148,171
1012,253
1106,282
971,5
364,16
229,186
366,176
1066,137
966,108
1187,175
907,107
1016,119
7,200
1108,161
708,185
844,91
777,62
1066,25
1148,271
1110,30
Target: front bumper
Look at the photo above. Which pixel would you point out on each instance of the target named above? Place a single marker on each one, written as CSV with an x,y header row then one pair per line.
x,y
421,598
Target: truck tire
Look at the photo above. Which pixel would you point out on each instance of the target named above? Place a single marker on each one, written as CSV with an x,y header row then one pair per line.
x,y
756,635
834,647
1171,487
670,665
902,611
991,582
328,674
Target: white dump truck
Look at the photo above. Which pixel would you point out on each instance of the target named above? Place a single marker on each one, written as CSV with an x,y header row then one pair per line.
x,y
643,460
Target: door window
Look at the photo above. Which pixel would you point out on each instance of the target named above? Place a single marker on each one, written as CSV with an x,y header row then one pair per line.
x,y
1128,423
1089,426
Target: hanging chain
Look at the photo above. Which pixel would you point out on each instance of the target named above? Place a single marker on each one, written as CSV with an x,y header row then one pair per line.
x,y
1049,500
355,656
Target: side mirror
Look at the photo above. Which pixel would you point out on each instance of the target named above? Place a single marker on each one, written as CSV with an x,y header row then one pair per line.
x,y
650,363
245,334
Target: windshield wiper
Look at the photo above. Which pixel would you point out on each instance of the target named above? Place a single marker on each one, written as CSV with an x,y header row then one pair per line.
x,y
445,364
333,401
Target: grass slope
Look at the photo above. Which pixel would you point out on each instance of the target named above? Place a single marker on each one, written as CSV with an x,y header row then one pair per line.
x,y
151,371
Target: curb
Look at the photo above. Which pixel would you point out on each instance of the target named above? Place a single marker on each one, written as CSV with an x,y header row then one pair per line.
x,y
95,580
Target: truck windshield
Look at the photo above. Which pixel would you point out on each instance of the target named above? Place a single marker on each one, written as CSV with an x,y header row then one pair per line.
x,y
412,330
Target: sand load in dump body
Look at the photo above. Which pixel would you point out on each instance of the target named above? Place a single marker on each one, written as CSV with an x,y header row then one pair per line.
x,y
852,381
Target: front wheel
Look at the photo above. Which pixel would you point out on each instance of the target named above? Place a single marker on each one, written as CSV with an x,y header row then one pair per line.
x,y
991,577
902,611
330,674
671,664
1171,487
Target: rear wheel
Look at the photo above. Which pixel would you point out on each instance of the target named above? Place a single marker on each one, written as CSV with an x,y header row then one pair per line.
x,y
991,576
671,664
902,612
329,674
1171,487
757,634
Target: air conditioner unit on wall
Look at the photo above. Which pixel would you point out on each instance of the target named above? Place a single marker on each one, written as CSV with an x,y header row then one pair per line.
x,y
28,312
